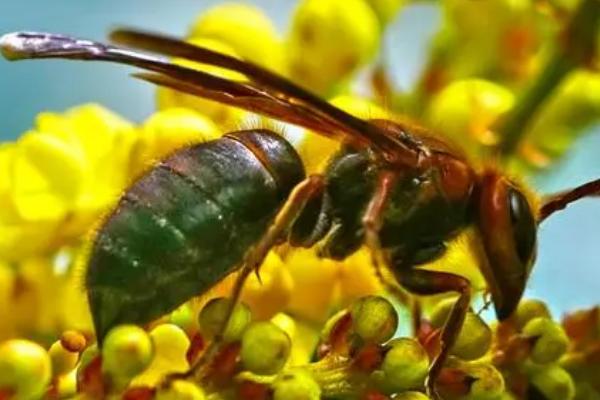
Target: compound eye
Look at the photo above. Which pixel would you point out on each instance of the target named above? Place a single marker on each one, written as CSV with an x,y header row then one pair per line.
x,y
523,225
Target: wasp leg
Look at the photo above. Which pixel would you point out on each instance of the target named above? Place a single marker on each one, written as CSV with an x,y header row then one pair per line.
x,y
372,221
290,210
416,313
425,282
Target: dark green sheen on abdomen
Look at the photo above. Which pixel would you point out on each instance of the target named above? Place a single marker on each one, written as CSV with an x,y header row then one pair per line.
x,y
186,224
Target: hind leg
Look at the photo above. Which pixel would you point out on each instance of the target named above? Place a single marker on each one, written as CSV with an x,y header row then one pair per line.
x,y
290,210
423,282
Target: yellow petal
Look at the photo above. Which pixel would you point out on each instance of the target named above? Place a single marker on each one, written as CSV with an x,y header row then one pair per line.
x,y
47,176
7,282
272,293
241,26
316,284
170,347
327,43
168,130
357,278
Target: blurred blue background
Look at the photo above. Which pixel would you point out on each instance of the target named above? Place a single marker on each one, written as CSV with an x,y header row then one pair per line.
x,y
567,274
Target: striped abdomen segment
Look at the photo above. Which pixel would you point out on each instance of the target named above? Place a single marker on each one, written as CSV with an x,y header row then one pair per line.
x,y
186,224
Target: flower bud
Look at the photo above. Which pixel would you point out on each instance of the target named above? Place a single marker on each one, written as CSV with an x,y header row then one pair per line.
x,y
465,111
66,385
170,349
345,36
488,382
213,314
265,348
126,352
475,337
180,390
296,385
73,341
184,317
374,319
529,309
25,368
241,27
404,366
551,341
62,359
554,382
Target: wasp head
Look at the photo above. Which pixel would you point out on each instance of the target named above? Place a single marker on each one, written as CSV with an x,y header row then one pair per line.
x,y
508,226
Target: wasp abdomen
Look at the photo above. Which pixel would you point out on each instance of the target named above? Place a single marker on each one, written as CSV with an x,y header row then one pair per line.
x,y
186,224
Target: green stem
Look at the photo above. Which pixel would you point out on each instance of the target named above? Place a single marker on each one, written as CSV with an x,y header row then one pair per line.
x,y
577,48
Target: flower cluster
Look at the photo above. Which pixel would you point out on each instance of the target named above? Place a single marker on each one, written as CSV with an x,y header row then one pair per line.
x,y
514,76
353,356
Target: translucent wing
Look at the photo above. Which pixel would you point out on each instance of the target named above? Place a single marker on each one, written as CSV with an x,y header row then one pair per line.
x,y
265,92
278,86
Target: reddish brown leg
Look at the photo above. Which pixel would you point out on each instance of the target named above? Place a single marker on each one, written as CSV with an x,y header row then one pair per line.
x,y
290,210
416,315
372,221
425,282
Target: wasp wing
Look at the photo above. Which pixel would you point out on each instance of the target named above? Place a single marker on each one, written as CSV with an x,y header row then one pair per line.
x,y
255,100
246,95
266,93
403,149
278,86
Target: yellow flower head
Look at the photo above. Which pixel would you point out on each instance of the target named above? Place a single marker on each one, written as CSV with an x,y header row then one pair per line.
x,y
328,42
240,27
59,176
167,131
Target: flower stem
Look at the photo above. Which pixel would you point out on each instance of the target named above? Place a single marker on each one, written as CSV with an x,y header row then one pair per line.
x,y
576,48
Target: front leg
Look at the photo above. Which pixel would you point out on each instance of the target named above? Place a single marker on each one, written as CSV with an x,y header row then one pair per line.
x,y
424,282
372,221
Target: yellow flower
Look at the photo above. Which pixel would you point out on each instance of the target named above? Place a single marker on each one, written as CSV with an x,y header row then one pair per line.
x,y
170,347
323,286
7,290
271,294
240,27
60,176
498,39
167,131
465,110
563,119
327,42
41,301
